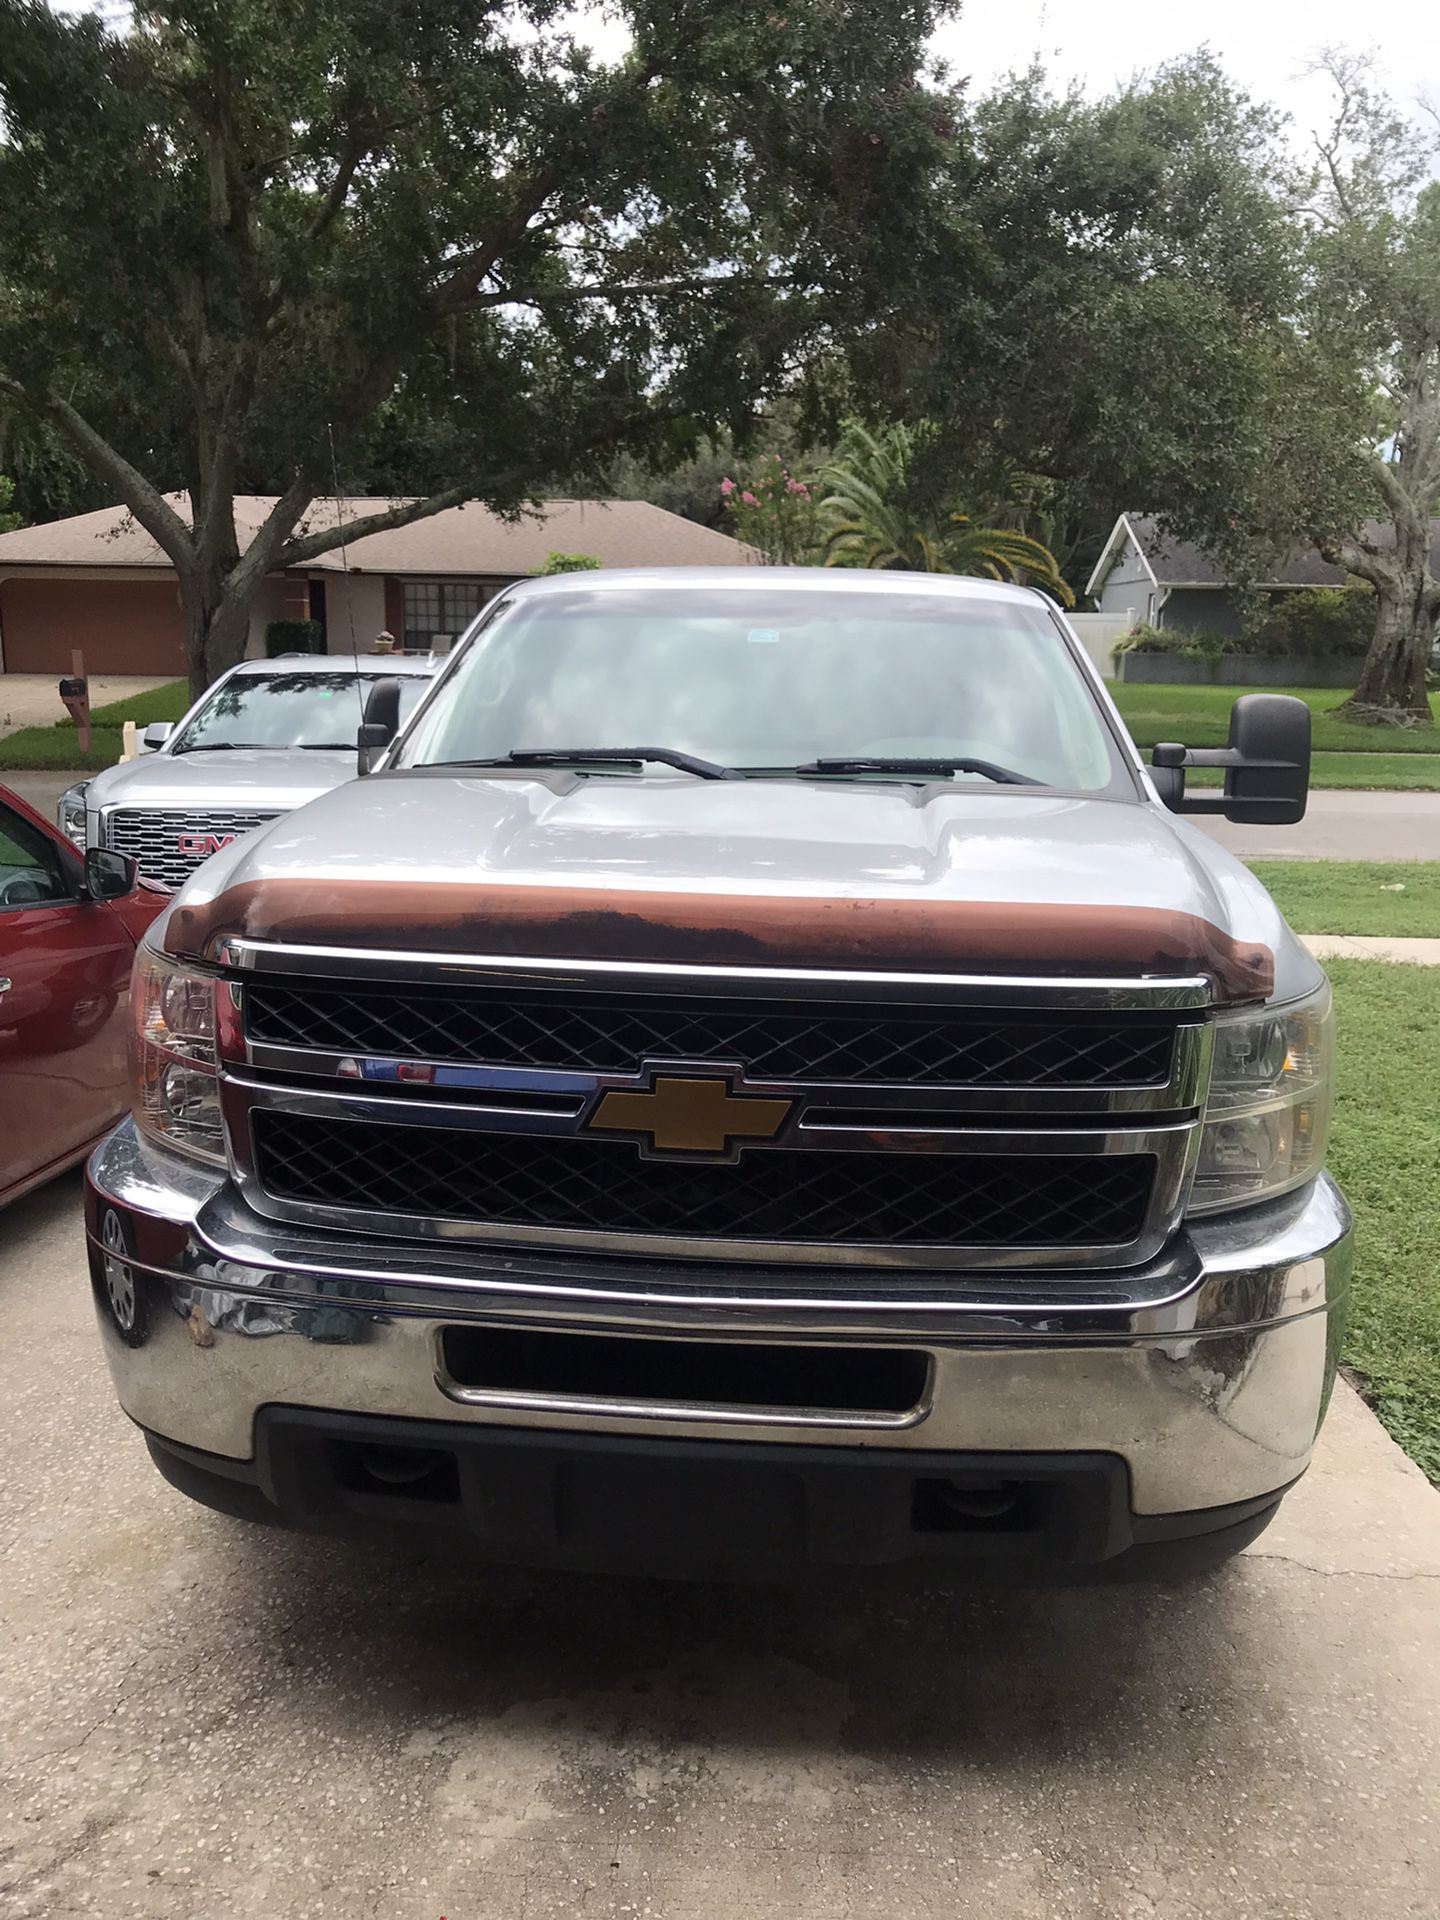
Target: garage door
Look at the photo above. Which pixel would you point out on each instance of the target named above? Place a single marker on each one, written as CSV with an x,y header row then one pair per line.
x,y
122,626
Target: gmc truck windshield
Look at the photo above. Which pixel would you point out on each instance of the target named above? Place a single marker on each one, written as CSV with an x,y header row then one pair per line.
x,y
778,682
269,711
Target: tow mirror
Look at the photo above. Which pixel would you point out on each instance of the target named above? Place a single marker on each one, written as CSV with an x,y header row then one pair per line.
x,y
156,734
1267,764
108,875
381,723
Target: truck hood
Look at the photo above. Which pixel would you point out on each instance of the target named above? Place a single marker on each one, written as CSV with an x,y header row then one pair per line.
x,y
270,781
763,872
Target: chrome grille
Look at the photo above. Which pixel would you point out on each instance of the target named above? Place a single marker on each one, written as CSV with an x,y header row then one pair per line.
x,y
912,1046
170,843
925,1121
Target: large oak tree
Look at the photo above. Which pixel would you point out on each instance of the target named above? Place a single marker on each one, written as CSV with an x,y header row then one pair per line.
x,y
1374,297
236,232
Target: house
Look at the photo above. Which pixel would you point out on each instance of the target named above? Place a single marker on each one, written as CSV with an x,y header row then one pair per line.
x,y
1164,582
100,583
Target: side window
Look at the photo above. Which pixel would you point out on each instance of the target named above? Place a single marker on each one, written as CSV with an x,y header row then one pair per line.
x,y
31,872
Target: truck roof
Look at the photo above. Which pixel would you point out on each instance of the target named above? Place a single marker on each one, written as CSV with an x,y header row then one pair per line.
x,y
730,581
345,662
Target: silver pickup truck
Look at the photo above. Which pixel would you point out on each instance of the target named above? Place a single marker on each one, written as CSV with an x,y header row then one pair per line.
x,y
266,737
758,1076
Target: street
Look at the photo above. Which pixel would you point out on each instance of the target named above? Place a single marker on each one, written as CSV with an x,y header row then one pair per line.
x,y
199,1718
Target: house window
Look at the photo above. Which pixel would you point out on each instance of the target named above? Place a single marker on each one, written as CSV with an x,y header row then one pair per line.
x,y
440,607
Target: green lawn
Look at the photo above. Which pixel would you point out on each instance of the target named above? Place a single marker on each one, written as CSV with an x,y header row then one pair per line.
x,y
1385,1152
1381,772
1397,901
1200,716
53,748
1387,759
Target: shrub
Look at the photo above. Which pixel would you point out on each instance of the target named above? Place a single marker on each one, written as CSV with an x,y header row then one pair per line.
x,y
570,563
293,636
1336,622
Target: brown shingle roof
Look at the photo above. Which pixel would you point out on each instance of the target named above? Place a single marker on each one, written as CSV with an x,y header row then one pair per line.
x,y
464,540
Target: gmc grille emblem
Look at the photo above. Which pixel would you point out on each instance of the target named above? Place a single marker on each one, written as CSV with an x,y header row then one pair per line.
x,y
202,845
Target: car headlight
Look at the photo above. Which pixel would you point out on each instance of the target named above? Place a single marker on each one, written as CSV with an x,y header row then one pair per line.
x,y
175,1092
70,813
1269,1107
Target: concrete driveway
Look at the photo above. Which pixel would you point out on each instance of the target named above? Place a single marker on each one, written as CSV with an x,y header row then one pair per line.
x,y
197,1718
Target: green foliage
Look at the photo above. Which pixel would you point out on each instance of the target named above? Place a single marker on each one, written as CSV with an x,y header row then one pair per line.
x,y
871,518
8,521
1385,1147
570,563
1333,622
446,243
293,636
775,512
1306,623
1120,332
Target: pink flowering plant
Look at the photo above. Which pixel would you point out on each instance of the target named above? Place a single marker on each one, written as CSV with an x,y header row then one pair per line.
x,y
775,512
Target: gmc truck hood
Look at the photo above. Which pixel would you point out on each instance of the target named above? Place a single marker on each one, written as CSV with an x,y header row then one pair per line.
x,y
764,872
269,780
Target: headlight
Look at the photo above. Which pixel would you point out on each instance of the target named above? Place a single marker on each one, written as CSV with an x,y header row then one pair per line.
x,y
70,813
174,1089
1269,1106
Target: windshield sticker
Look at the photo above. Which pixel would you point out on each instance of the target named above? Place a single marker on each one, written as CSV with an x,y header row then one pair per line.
x,y
763,636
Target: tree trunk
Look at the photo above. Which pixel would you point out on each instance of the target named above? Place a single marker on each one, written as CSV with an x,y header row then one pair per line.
x,y
217,631
1392,688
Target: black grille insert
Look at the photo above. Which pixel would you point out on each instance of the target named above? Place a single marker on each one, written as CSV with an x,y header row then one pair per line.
x,y
880,1199
912,1045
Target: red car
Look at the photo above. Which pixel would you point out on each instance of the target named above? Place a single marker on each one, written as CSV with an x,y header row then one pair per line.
x,y
68,932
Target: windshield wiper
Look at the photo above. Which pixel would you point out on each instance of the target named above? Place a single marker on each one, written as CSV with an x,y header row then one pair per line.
x,y
604,756
1004,776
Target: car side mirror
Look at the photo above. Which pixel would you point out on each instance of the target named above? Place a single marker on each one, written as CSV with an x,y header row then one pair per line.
x,y
380,725
108,875
1267,764
156,734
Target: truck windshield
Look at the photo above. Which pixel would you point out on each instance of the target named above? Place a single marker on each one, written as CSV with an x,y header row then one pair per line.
x,y
276,710
773,681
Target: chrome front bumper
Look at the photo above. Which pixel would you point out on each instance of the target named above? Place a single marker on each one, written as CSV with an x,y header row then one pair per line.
x,y
1207,1372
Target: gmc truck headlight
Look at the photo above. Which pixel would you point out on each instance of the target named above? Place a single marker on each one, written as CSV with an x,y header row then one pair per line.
x,y
70,813
1269,1108
175,1092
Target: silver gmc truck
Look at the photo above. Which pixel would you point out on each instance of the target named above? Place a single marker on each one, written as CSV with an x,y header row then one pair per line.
x,y
758,1075
267,736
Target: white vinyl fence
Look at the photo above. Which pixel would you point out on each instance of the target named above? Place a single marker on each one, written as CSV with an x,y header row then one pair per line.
x,y
1101,633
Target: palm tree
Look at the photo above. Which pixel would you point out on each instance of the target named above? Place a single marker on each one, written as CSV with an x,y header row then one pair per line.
x,y
871,524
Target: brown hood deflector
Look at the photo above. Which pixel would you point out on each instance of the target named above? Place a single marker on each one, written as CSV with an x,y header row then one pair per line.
x,y
697,929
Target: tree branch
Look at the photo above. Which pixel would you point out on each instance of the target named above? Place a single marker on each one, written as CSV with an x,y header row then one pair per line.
x,y
308,545
149,506
405,513
1396,496
631,289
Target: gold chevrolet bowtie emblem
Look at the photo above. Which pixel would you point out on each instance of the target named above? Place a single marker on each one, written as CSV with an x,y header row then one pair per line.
x,y
680,1115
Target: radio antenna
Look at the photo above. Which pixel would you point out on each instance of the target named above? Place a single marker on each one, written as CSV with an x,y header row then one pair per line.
x,y
345,564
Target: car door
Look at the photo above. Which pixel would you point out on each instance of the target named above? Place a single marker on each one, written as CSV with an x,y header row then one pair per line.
x,y
64,987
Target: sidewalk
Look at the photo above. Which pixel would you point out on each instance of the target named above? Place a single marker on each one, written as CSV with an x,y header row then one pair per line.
x,y
1350,946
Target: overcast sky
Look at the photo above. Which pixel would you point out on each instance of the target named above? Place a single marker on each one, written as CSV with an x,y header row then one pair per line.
x,y
1265,44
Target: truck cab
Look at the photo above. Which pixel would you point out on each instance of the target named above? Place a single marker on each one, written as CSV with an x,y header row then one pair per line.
x,y
759,1075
